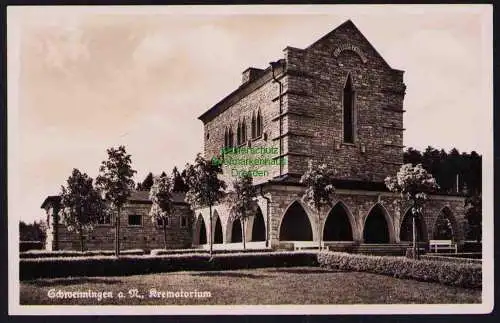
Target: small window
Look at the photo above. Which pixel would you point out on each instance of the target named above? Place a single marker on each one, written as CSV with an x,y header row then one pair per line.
x,y
159,222
134,220
184,222
208,135
104,219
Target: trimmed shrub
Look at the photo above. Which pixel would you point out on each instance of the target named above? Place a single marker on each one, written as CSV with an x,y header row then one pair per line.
x,y
31,245
134,265
455,274
452,258
71,253
159,252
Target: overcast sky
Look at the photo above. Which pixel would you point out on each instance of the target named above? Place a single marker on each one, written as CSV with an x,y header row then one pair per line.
x,y
83,80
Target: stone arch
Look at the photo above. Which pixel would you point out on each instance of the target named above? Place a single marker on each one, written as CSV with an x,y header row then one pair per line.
x,y
445,215
339,224
200,232
406,228
378,226
258,225
236,232
217,235
296,224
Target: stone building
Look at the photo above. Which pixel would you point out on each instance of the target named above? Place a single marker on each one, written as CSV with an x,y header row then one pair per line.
x,y
336,102
137,230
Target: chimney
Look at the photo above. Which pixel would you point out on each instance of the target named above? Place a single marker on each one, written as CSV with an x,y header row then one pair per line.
x,y
251,74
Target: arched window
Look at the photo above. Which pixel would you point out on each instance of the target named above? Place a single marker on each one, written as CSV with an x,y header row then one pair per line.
x,y
243,131
254,127
229,138
226,138
238,134
259,124
348,102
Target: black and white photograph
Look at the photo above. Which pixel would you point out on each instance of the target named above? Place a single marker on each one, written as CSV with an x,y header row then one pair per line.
x,y
284,159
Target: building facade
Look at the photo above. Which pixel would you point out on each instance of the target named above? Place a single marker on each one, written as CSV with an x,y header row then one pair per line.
x,y
336,102
137,229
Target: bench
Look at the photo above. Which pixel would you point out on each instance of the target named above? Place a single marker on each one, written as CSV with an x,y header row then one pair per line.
x,y
436,245
302,245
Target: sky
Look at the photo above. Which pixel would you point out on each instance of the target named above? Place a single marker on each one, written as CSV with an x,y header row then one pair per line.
x,y
83,79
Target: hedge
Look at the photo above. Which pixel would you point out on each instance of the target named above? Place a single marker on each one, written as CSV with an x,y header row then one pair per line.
x,y
452,258
31,245
159,252
71,253
134,265
449,273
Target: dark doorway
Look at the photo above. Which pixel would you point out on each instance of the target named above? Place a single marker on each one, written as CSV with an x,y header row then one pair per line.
x,y
337,225
259,227
218,231
203,230
236,234
295,225
406,231
376,229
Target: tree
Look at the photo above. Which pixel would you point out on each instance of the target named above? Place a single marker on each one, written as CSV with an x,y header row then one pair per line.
x,y
147,182
319,190
81,205
242,201
178,179
115,181
414,183
163,204
473,214
205,187
36,231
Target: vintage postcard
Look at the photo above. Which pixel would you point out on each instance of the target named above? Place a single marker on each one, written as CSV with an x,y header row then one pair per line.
x,y
250,159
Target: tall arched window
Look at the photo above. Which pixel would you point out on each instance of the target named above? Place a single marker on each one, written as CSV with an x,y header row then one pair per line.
x,y
259,124
243,131
348,101
228,138
238,134
254,127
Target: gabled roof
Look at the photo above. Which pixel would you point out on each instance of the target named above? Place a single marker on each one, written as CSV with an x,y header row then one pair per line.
x,y
135,197
349,24
265,76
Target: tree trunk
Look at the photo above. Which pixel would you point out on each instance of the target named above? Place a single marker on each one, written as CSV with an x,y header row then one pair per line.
x,y
319,228
82,246
243,233
414,236
164,234
211,232
117,234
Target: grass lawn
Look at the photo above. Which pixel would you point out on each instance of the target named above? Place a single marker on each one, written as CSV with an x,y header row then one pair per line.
x,y
304,285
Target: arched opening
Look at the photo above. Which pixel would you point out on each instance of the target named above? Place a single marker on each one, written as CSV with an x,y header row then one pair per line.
x,y
406,230
218,231
295,225
337,225
203,230
259,227
443,228
376,229
236,233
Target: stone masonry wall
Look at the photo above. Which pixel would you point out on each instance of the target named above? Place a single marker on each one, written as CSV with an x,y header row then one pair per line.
x,y
146,236
316,79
